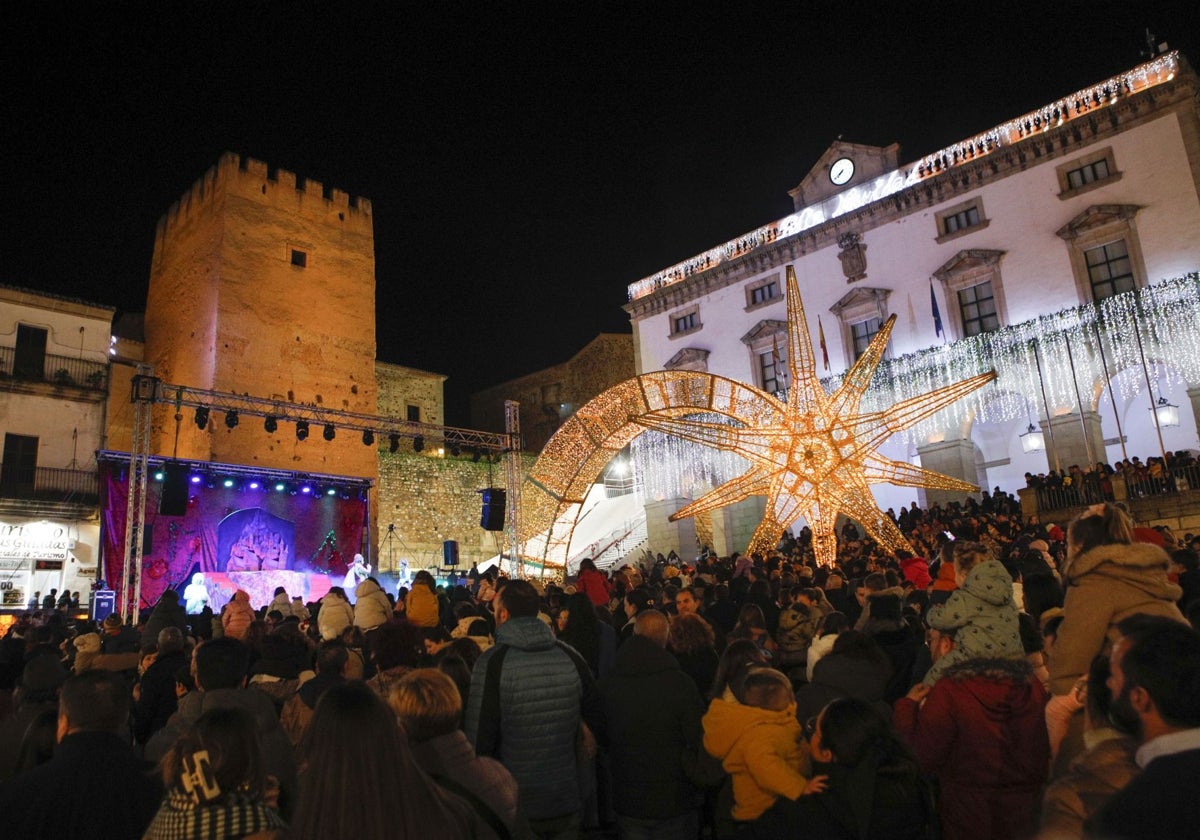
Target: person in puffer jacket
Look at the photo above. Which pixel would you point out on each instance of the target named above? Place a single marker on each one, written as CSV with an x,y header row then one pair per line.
x,y
422,604
758,743
238,615
981,612
335,614
371,606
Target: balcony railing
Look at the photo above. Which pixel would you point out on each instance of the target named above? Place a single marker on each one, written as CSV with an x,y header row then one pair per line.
x,y
1175,481
49,484
57,370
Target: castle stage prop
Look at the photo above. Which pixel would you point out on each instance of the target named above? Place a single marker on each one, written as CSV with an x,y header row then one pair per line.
x,y
241,529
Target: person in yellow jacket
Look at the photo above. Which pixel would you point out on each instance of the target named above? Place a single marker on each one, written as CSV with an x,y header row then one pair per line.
x,y
421,604
758,740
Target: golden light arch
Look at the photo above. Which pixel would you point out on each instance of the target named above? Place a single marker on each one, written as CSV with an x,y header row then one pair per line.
x,y
814,455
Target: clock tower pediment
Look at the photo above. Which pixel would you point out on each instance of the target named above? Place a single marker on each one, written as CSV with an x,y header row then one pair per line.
x,y
841,166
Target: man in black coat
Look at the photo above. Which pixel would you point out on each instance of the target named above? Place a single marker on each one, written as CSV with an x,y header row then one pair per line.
x,y
168,612
1156,683
95,785
653,710
154,699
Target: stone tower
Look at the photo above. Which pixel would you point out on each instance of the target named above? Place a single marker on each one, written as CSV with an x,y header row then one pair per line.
x,y
264,284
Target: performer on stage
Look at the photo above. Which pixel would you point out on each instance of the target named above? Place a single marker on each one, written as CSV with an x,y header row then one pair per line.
x,y
359,572
195,595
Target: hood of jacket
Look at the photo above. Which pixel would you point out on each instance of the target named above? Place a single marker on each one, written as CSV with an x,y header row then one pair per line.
x,y
1139,564
311,691
640,656
242,596
525,633
1004,688
365,588
991,583
726,721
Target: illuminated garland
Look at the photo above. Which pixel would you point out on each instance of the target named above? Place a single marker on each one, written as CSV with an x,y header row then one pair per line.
x,y
1101,95
1165,316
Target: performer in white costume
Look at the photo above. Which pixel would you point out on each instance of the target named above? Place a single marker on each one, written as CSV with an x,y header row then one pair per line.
x,y
195,594
359,572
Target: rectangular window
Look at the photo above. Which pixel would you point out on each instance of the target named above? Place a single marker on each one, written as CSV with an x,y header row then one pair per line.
x,y
414,413
1109,269
1087,174
683,323
773,372
764,293
961,220
299,258
978,307
19,469
29,356
862,332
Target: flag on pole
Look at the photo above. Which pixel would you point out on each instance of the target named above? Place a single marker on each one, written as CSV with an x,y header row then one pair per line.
x,y
937,316
821,337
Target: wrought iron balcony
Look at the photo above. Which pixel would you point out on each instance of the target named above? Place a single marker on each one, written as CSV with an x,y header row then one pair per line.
x,y
56,370
49,484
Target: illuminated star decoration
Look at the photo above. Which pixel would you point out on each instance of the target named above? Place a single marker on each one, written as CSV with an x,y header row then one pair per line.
x,y
815,455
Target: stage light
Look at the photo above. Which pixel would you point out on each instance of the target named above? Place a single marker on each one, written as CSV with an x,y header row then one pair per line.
x,y
270,425
418,443
280,487
301,429
329,432
201,417
331,492
393,443
254,485
227,482
368,438
231,419
158,476
305,489
195,479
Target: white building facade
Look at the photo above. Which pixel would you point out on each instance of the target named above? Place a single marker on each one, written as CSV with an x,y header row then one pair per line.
x,y
1059,249
54,380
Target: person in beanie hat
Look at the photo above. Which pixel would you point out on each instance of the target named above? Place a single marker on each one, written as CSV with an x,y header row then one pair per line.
x,y
37,692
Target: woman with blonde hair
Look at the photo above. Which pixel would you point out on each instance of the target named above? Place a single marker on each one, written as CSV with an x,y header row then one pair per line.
x,y
429,708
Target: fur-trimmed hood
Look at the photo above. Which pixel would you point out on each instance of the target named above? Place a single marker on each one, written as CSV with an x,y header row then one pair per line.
x,y
1140,564
1137,555
1005,689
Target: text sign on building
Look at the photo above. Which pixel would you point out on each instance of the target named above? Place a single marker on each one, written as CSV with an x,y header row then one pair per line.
x,y
41,540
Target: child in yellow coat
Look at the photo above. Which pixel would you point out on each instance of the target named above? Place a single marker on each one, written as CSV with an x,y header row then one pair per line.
x,y
759,742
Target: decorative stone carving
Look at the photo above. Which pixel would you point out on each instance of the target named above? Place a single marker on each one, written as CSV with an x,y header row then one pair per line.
x,y
853,256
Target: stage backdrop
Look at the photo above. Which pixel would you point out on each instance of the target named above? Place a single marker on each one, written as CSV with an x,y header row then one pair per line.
x,y
239,538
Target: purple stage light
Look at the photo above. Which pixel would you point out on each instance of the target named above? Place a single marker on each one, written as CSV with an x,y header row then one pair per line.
x,y
195,479
305,489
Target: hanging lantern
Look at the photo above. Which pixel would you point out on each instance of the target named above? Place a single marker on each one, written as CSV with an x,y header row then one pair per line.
x,y
1032,440
1167,413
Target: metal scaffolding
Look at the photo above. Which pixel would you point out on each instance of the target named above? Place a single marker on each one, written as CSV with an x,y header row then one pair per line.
x,y
147,390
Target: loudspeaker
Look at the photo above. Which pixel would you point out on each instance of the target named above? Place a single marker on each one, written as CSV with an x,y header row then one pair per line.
x,y
450,553
173,501
492,517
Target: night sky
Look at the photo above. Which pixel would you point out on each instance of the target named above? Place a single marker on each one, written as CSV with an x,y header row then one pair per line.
x,y
526,161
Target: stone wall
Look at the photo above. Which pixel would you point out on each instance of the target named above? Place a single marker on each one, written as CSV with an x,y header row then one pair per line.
x,y
431,500
400,387
551,395
263,283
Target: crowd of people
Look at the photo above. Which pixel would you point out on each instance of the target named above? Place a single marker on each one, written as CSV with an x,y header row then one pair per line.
x,y
1007,678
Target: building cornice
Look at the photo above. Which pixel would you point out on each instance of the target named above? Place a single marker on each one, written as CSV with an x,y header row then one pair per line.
x,y
1068,138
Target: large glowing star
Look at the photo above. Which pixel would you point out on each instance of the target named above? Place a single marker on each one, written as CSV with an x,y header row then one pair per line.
x,y
815,455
